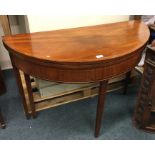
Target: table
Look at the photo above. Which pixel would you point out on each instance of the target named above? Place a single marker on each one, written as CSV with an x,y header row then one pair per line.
x,y
77,55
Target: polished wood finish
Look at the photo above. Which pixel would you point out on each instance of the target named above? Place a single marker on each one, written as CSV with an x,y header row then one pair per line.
x,y
144,112
96,50
66,46
77,55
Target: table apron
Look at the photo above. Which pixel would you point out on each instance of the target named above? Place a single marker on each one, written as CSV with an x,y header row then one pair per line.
x,y
76,75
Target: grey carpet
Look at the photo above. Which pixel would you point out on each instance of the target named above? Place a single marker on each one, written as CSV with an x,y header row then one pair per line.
x,y
70,121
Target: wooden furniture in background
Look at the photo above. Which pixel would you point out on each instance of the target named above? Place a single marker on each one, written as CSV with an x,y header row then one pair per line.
x,y
7,31
78,55
85,90
144,116
5,24
2,91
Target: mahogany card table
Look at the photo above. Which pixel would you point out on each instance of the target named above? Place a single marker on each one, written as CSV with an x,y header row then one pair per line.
x,y
78,55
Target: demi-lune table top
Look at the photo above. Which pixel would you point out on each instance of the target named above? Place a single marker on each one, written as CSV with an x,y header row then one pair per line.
x,y
84,44
85,54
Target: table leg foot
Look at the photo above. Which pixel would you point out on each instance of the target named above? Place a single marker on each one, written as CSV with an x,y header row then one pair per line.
x,y
2,123
100,106
28,116
3,126
34,116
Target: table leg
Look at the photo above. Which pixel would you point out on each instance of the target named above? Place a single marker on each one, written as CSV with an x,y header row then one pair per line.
x,y
2,84
30,94
100,106
126,82
2,123
19,83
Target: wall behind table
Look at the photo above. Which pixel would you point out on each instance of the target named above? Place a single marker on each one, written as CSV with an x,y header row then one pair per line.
x,y
44,23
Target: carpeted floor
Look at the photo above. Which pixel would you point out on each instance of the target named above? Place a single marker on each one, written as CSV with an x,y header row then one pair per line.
x,y
70,121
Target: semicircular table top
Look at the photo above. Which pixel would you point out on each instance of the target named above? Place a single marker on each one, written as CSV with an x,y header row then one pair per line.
x,y
81,45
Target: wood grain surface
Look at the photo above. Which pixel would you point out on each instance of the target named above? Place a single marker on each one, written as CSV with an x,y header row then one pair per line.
x,y
86,54
81,44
